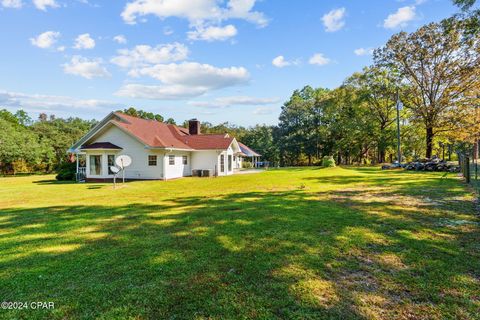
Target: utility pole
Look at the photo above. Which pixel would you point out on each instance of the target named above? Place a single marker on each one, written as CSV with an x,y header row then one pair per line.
x,y
399,151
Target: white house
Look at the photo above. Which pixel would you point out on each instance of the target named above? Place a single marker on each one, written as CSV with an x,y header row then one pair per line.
x,y
158,150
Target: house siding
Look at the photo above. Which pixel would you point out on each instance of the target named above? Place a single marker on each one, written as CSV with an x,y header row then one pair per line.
x,y
226,154
139,169
205,160
177,170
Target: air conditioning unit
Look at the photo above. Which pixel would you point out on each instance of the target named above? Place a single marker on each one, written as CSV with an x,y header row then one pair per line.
x,y
206,173
196,173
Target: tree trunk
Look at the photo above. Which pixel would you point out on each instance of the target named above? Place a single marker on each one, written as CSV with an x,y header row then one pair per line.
x,y
381,144
309,160
381,154
429,137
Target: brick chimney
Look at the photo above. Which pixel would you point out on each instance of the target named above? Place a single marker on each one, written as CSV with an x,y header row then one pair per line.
x,y
194,126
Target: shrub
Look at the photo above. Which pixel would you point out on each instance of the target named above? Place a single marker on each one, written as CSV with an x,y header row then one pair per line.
x,y
66,171
247,165
328,162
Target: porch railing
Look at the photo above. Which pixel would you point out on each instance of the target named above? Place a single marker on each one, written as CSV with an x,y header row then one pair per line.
x,y
81,174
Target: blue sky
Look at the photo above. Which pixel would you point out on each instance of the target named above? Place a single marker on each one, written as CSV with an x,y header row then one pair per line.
x,y
232,60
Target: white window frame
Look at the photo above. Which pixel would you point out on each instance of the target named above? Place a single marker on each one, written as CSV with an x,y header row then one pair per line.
x,y
222,163
171,159
156,160
90,164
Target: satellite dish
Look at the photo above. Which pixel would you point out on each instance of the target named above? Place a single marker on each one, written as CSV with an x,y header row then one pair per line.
x,y
114,169
123,161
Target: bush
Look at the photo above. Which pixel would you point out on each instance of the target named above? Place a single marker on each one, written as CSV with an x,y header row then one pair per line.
x,y
247,165
328,162
66,171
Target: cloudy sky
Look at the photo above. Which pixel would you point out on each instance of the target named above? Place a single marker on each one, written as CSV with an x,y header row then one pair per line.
x,y
231,60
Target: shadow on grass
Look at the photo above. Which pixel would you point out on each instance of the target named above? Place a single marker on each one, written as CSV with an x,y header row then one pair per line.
x,y
286,255
53,182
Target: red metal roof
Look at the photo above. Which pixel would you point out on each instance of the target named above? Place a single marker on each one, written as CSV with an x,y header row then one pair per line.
x,y
162,135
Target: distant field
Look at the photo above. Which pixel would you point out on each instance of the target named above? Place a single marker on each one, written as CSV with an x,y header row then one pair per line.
x,y
300,243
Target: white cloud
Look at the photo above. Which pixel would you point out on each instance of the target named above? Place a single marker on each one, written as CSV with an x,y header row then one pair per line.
x,y
194,74
213,33
144,55
184,80
155,92
84,41
224,102
87,68
400,18
242,9
363,51
120,39
45,40
263,111
419,2
280,62
61,49
319,59
43,4
334,20
15,4
49,103
197,12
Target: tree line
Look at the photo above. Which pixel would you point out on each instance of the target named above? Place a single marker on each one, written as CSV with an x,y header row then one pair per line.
x,y
433,71
40,145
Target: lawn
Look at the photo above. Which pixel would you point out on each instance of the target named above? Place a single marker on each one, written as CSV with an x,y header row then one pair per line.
x,y
306,243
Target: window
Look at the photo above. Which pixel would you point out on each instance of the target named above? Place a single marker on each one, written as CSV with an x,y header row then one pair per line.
x,y
229,162
234,158
95,165
222,163
185,160
152,160
171,160
111,162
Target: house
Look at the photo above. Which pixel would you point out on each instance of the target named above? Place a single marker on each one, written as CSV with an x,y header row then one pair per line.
x,y
158,150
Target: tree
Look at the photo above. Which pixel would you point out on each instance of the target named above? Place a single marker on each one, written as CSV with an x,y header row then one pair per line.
x,y
17,143
42,117
295,125
261,138
349,126
143,114
59,134
470,14
439,65
377,88
23,117
170,121
8,116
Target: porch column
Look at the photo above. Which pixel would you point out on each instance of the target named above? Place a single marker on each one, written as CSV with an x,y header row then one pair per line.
x,y
76,156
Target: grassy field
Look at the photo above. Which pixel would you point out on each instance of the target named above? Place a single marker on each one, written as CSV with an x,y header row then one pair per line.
x,y
339,243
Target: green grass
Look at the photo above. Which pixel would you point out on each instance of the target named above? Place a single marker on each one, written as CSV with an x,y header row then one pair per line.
x,y
300,243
